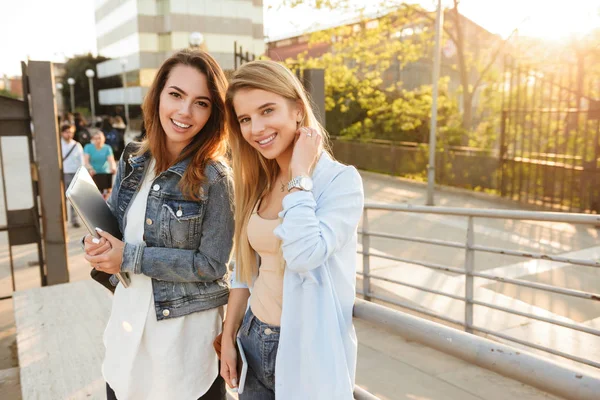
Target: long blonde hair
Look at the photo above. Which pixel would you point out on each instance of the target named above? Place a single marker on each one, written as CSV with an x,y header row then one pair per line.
x,y
253,174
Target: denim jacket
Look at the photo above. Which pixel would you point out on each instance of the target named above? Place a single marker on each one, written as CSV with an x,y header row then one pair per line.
x,y
187,244
316,357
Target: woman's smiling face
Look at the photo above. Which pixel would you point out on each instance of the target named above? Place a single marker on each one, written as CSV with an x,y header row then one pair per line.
x,y
185,105
268,121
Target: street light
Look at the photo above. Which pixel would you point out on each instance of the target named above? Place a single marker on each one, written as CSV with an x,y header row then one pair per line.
x,y
197,40
125,103
71,83
90,74
439,23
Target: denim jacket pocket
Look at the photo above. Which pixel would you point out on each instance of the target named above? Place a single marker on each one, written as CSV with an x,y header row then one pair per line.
x,y
181,222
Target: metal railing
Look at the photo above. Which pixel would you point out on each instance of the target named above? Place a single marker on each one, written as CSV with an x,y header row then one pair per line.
x,y
469,268
551,377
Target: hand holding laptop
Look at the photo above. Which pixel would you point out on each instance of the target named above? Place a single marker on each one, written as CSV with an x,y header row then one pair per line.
x,y
94,213
108,256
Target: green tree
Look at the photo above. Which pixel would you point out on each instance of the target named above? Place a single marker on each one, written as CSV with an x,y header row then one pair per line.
x,y
364,97
6,93
477,55
75,68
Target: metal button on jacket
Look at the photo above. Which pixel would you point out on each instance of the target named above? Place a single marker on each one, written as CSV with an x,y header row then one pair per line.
x,y
166,313
179,213
149,221
156,187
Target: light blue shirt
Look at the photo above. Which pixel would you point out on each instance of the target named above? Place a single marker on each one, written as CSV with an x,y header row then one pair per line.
x,y
316,358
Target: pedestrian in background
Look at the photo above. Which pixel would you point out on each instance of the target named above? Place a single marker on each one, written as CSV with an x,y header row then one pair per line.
x,y
120,113
82,134
100,162
114,136
72,159
116,139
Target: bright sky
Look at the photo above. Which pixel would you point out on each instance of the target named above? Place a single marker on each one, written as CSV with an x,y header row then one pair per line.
x,y
56,29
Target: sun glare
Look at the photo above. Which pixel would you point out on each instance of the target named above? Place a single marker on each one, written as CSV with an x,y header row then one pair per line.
x,y
551,20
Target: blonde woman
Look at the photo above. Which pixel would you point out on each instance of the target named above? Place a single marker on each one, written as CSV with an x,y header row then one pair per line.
x,y
296,212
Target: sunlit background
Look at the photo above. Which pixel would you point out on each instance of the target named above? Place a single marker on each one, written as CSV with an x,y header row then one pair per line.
x,y
53,30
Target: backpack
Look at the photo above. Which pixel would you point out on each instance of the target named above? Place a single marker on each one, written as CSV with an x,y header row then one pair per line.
x,y
112,139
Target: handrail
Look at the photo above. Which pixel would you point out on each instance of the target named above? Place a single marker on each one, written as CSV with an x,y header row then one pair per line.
x,y
527,368
548,216
469,270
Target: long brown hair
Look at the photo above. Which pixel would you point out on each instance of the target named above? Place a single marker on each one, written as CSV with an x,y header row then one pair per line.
x,y
253,174
211,143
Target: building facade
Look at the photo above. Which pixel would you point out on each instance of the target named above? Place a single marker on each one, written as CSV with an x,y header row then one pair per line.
x,y
138,35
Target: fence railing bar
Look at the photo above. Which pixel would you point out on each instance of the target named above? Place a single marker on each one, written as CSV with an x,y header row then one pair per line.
x,y
416,262
558,379
362,394
469,268
537,346
540,286
414,308
366,244
537,256
580,328
436,242
410,285
544,216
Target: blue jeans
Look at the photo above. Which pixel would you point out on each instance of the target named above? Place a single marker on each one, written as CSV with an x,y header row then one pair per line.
x,y
260,342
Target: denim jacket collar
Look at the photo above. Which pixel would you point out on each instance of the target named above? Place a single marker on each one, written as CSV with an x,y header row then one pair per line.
x,y
179,168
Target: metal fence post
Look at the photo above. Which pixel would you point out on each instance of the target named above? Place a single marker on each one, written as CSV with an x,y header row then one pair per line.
x,y
469,267
366,248
49,166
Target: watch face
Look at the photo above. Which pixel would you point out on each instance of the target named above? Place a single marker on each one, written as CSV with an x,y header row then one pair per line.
x,y
306,183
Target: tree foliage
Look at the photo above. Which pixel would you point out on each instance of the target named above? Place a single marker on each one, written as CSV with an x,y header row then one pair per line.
x,y
364,97
405,33
6,93
75,68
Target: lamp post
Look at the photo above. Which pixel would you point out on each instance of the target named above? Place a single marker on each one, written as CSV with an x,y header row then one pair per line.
x,y
197,41
90,74
59,98
71,83
125,102
439,23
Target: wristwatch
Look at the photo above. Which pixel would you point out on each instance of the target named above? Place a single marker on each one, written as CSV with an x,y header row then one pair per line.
x,y
301,182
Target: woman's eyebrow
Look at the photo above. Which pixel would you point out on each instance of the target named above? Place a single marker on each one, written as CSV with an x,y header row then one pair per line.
x,y
185,94
266,105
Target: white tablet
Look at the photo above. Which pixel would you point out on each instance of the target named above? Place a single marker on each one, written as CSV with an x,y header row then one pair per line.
x,y
243,369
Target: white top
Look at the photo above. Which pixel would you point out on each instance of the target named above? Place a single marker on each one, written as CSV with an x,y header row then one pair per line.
x,y
75,159
146,359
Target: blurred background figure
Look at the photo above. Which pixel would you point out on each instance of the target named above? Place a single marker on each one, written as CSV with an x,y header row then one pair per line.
x,y
82,134
114,134
117,137
72,158
100,162
120,113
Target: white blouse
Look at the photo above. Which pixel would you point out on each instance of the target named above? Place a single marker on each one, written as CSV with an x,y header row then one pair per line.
x,y
147,359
